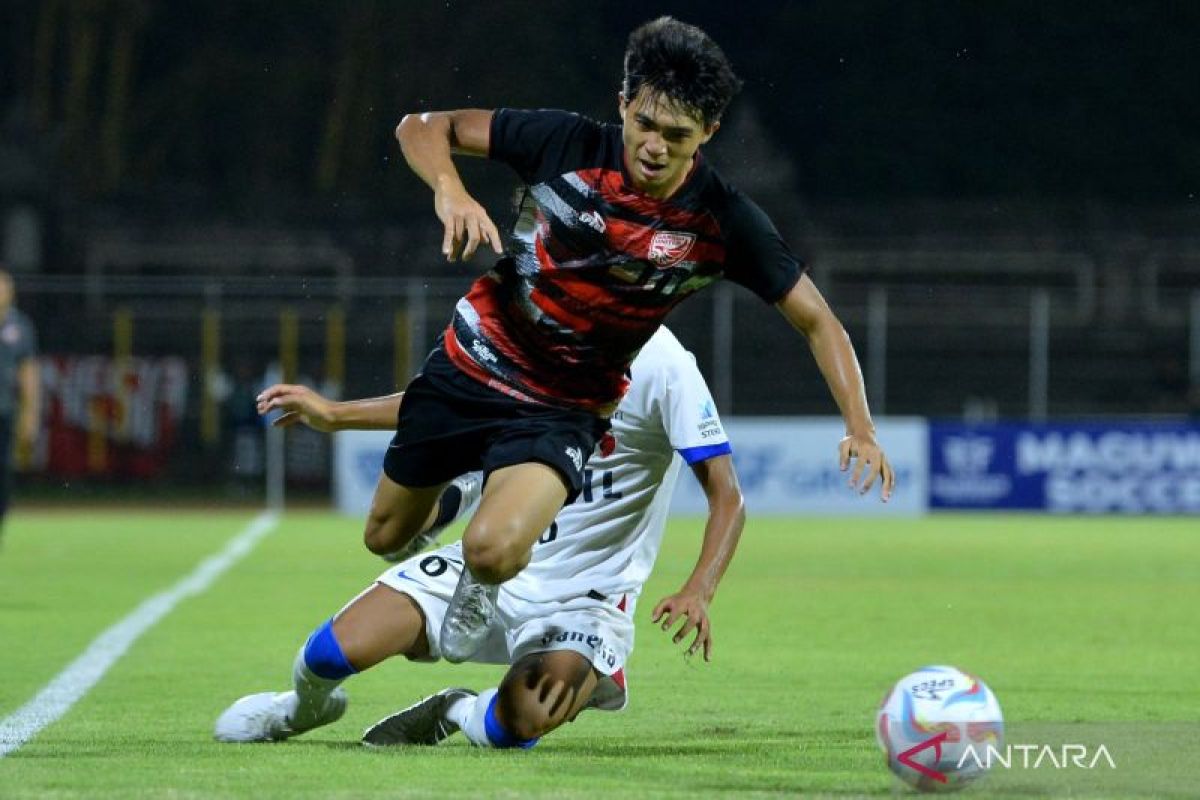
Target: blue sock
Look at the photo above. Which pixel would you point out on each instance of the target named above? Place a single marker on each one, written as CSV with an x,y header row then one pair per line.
x,y
496,733
324,657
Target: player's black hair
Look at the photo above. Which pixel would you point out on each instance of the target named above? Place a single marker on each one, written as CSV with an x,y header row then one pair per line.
x,y
681,63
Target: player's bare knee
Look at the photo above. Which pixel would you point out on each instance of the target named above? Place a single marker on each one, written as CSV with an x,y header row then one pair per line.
x,y
489,563
384,533
494,556
378,535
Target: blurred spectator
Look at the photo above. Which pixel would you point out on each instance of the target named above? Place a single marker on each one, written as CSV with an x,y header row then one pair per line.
x,y
243,423
19,388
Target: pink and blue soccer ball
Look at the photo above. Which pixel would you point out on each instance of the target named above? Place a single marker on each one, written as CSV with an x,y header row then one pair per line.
x,y
935,727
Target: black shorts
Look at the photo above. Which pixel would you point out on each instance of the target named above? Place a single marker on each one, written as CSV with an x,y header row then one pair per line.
x,y
450,423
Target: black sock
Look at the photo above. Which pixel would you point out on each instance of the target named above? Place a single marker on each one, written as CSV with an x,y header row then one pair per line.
x,y
448,505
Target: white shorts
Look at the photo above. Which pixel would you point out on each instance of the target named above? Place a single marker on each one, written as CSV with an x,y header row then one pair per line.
x,y
597,628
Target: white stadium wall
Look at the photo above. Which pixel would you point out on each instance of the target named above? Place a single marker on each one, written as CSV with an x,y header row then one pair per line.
x,y
787,465
357,464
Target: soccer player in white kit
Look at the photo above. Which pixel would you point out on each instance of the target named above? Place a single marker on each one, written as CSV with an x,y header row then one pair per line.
x,y
565,622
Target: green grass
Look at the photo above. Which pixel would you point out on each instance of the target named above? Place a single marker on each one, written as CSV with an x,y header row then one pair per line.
x,y
1084,627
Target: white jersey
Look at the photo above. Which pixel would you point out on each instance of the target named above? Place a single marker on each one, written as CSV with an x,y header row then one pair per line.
x,y
607,540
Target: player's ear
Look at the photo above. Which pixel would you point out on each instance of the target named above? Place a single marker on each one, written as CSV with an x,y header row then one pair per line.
x,y
622,104
709,131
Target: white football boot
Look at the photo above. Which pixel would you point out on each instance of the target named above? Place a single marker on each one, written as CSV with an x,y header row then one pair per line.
x,y
275,716
468,619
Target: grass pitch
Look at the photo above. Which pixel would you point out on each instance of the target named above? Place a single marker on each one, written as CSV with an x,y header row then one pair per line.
x,y
1086,629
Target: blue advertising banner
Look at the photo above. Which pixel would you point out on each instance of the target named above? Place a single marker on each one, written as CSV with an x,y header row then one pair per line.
x,y
1093,467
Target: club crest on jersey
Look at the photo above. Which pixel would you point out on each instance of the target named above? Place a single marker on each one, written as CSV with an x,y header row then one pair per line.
x,y
668,248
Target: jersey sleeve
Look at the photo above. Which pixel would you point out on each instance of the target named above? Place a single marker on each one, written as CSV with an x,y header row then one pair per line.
x,y
543,143
690,415
758,258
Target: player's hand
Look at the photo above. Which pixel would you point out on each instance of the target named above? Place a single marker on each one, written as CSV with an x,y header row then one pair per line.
x,y
870,464
467,225
692,610
299,404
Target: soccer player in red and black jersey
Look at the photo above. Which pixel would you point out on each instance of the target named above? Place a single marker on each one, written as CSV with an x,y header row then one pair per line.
x,y
619,224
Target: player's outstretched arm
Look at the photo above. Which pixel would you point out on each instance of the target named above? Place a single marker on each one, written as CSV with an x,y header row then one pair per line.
x,y
302,404
808,312
427,141
726,518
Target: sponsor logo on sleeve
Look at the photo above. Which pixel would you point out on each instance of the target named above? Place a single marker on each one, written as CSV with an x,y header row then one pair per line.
x,y
593,220
710,425
483,352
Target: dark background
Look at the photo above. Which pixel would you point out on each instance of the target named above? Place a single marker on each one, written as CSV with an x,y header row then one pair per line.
x,y
279,110
947,169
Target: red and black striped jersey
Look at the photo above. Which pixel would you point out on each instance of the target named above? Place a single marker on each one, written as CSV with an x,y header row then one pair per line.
x,y
593,265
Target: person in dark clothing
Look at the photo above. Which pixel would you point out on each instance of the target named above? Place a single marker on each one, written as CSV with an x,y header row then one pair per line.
x,y
19,387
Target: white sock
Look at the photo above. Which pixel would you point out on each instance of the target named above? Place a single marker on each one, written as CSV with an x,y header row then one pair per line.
x,y
311,691
468,714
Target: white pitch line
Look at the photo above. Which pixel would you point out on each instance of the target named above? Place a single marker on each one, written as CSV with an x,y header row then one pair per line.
x,y
84,672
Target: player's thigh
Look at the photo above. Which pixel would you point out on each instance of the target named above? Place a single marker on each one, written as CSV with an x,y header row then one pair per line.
x,y
400,511
519,502
380,623
543,690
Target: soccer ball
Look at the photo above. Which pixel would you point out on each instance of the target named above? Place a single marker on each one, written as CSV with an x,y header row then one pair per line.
x,y
935,726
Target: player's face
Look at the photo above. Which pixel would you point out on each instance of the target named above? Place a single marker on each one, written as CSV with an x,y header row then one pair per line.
x,y
661,139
